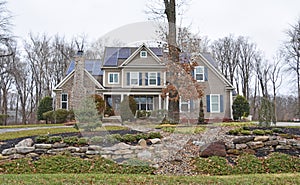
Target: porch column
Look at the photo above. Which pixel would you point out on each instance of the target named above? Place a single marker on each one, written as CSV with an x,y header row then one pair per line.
x,y
159,102
167,101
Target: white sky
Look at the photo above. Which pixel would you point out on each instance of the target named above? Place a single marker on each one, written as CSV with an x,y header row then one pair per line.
x,y
264,21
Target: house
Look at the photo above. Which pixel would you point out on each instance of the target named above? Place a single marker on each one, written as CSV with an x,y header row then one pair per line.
x,y
141,72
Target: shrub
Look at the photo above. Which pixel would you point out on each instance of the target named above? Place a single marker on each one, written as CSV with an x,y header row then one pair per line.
x,y
71,140
240,107
109,111
54,139
82,141
153,135
282,163
248,164
3,117
201,119
125,110
213,165
58,116
129,138
246,132
97,139
143,114
269,132
259,132
235,131
277,130
41,139
45,105
168,129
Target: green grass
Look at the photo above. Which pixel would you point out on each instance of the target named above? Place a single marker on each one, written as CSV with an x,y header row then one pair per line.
x,y
235,124
35,132
29,126
70,179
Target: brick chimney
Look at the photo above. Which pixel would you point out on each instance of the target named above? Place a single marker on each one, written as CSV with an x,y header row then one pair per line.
x,y
78,90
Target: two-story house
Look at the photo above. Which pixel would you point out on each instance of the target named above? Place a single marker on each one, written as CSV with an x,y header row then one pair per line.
x,y
141,72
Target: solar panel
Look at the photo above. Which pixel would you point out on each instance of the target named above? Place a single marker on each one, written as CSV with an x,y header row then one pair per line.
x,y
157,51
124,53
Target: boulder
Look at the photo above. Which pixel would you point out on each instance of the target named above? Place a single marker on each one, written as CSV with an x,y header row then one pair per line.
x,y
9,151
271,143
25,150
25,143
241,146
241,140
142,143
155,141
213,149
261,138
255,145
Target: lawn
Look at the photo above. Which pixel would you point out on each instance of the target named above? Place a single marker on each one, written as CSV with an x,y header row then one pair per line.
x,y
284,179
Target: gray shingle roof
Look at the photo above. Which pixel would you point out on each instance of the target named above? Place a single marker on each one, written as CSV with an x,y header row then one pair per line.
x,y
92,66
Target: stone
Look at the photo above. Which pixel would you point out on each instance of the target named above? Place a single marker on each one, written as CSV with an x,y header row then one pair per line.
x,y
106,156
283,147
59,145
92,152
144,155
241,146
142,143
229,145
123,152
292,142
40,151
25,143
271,143
244,139
24,150
198,143
73,149
282,142
261,138
129,156
248,151
16,156
255,145
213,149
9,151
78,154
233,151
118,146
95,147
32,155
83,149
155,141
57,150
43,146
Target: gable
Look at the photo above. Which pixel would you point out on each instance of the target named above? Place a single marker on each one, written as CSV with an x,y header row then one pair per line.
x,y
144,56
69,79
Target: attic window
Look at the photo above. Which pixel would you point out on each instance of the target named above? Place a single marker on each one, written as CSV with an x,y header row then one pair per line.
x,y
143,54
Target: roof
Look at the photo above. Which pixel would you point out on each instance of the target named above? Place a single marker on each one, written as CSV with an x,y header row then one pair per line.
x,y
210,59
92,66
113,54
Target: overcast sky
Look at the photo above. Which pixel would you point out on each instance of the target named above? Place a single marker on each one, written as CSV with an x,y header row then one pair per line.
x,y
264,21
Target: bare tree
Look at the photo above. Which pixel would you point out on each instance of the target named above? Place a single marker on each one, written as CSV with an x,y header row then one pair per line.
x,y
291,53
275,77
226,51
6,38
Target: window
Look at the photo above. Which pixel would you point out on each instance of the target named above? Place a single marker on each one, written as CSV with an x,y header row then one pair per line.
x,y
144,102
199,73
113,78
215,103
143,54
152,79
134,78
64,101
184,106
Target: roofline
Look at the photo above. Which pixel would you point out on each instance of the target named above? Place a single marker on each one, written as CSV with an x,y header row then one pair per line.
x,y
137,51
217,72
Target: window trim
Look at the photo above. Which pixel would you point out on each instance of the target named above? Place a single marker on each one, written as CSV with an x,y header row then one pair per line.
x,y
188,103
211,103
138,78
113,73
67,101
203,73
152,79
143,54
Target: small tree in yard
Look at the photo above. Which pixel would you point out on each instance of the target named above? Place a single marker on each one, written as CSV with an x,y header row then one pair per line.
x,y
45,105
201,113
127,108
240,107
87,115
265,112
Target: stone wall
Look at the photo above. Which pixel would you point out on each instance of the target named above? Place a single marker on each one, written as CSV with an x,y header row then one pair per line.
x,y
118,152
257,145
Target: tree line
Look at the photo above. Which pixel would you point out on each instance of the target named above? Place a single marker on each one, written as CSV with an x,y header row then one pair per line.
x,y
30,71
